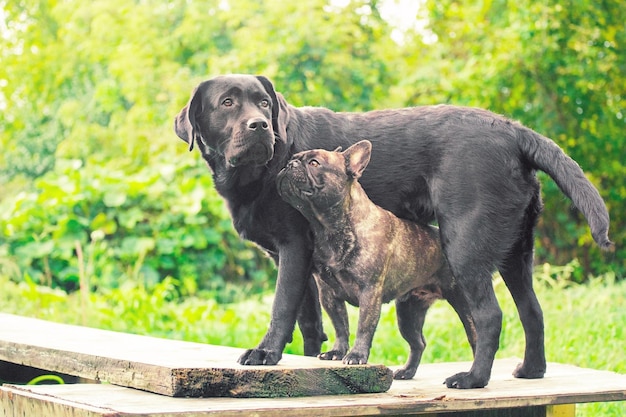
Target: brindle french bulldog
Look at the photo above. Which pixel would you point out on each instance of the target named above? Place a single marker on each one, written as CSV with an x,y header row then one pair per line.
x,y
363,254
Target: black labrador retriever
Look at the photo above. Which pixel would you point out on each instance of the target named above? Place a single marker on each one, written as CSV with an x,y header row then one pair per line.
x,y
469,170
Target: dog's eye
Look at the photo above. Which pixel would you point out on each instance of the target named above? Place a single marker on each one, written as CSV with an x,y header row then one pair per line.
x,y
314,163
227,102
265,103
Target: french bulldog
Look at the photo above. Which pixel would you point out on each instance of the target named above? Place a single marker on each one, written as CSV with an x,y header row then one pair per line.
x,y
363,254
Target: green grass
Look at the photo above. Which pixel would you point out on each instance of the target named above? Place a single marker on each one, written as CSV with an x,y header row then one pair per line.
x,y
584,323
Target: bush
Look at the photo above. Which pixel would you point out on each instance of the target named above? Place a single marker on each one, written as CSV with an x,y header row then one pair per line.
x,y
105,226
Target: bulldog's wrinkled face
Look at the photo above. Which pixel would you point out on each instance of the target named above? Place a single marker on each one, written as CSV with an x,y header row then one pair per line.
x,y
315,180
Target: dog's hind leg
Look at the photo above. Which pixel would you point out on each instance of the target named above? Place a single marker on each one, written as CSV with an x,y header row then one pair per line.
x,y
486,318
472,263
411,313
516,270
457,300
517,274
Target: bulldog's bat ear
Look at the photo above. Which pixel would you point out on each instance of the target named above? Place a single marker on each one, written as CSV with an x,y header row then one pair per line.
x,y
185,124
280,110
357,157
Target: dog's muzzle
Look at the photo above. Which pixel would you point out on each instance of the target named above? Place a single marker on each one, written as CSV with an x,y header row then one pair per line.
x,y
253,145
293,181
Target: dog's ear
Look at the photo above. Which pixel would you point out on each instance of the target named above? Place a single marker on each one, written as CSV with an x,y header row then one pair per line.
x,y
185,124
280,110
357,157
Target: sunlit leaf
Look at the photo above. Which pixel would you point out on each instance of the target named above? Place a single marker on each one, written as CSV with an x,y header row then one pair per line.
x,y
114,198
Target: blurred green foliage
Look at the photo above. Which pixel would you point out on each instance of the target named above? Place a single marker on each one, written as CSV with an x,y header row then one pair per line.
x,y
105,227
96,186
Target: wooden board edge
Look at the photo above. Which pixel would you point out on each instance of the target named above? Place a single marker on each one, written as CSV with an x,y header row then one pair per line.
x,y
278,383
115,371
254,382
16,401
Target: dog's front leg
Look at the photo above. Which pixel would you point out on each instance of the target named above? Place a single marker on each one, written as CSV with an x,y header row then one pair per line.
x,y
310,319
336,309
294,267
370,302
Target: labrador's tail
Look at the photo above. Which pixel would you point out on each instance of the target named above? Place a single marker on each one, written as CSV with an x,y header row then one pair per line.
x,y
546,156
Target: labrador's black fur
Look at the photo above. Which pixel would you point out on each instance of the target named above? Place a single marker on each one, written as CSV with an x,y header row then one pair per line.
x,y
471,171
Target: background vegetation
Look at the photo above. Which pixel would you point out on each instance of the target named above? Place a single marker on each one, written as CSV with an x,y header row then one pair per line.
x,y
103,213
94,180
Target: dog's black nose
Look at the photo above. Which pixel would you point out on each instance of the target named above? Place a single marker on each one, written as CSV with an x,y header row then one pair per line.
x,y
257,123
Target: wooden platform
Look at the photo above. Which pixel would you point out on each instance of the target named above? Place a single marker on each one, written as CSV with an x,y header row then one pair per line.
x,y
176,368
140,361
425,394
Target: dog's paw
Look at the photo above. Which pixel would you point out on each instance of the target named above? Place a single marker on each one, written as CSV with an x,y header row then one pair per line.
x,y
355,358
529,372
332,355
260,357
466,380
404,373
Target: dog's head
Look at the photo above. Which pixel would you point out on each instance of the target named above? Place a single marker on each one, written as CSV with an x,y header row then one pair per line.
x,y
237,117
316,180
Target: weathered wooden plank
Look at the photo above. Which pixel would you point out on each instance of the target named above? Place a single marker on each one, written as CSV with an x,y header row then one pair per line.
x,y
175,368
426,394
